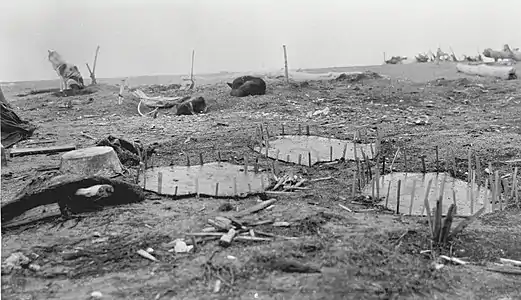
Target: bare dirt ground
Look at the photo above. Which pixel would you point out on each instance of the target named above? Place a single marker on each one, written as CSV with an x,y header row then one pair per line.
x,y
364,255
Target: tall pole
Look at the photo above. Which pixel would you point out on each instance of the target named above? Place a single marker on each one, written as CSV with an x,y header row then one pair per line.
x,y
192,70
286,64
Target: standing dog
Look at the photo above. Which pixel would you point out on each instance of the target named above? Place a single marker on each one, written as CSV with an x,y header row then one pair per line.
x,y
70,76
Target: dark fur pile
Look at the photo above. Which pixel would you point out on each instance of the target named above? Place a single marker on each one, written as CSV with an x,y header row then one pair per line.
x,y
247,86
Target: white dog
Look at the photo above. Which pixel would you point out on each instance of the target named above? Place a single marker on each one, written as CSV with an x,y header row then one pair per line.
x,y
70,76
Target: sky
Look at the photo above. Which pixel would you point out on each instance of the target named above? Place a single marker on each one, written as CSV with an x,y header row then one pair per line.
x,y
153,37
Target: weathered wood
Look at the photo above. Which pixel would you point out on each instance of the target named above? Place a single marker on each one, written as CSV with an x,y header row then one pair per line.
x,y
227,238
41,150
91,161
503,72
255,208
221,223
99,190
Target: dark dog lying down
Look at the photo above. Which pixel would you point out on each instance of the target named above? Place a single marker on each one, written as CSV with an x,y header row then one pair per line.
x,y
247,86
191,106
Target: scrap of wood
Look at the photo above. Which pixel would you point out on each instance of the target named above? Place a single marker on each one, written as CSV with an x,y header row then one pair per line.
x,y
146,255
87,135
505,270
279,182
294,187
41,150
226,239
275,235
454,260
221,223
279,192
205,234
281,224
321,179
252,238
255,208
300,183
345,207
516,263
262,222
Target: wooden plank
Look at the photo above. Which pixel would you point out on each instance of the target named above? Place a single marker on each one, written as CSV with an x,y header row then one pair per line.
x,y
41,150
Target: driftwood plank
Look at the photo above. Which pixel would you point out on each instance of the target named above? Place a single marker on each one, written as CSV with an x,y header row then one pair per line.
x,y
41,150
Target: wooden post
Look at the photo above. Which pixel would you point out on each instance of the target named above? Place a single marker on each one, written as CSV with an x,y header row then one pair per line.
x,y
299,129
497,184
309,159
286,64
412,196
93,71
398,197
216,189
469,158
201,158
159,182
245,164
437,161
282,129
192,71
423,164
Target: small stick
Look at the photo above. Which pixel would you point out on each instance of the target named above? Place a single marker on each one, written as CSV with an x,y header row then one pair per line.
x,y
412,196
497,191
175,191
201,158
359,173
388,191
287,158
307,129
424,170
216,189
485,204
353,188
197,187
277,155
398,197
299,129
492,188
472,182
330,153
345,151
377,183
249,187
219,155
309,158
261,131
267,148
478,170
372,189
437,161
469,159
256,166
235,186
426,204
364,175
187,160
300,158
354,146
454,201
245,164
514,179
372,150
394,158
159,182
514,187
405,159
505,191
366,160
283,129
383,165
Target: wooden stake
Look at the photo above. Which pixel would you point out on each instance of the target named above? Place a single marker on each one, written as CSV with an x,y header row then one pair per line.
x,y
437,161
486,201
383,165
256,166
505,192
412,196
364,174
299,129
288,158
187,160
454,201
235,186
197,187
216,189
159,182
344,152
192,70
469,159
423,164
377,183
472,182
330,153
262,182
405,159
201,158
354,146
492,187
277,155
245,164
219,155
249,187
514,187
398,197
427,207
359,173
388,191
307,129
478,170
300,158
309,159
286,64
175,191
368,164
283,129
261,131
497,183
353,188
